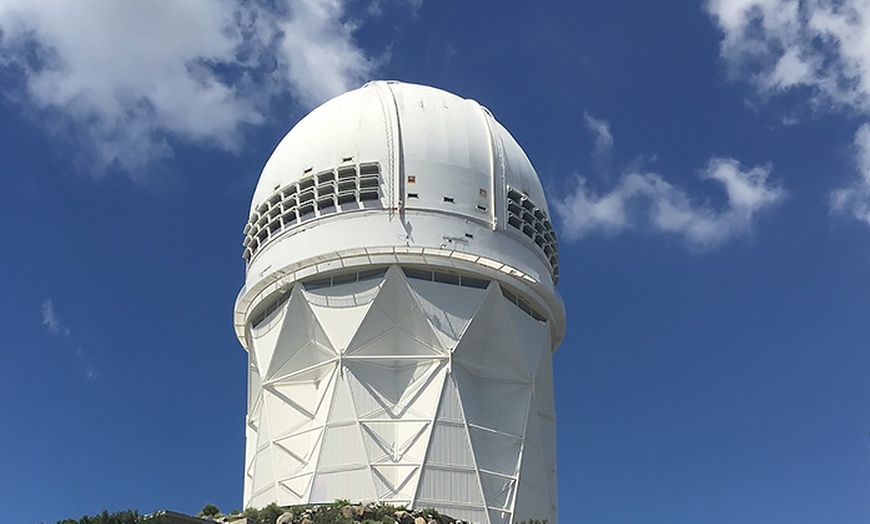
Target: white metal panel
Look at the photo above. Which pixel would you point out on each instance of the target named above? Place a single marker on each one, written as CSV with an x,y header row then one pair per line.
x,y
448,308
532,336
265,337
488,348
446,485
342,447
496,451
353,484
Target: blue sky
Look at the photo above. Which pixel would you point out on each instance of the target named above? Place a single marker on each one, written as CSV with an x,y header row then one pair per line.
x,y
707,163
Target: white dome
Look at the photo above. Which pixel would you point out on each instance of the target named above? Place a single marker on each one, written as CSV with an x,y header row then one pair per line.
x,y
399,167
408,156
439,135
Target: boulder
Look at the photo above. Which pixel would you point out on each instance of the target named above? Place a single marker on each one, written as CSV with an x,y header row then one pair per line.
x,y
350,512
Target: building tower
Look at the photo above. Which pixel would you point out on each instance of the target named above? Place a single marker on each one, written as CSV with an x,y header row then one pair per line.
x,y
400,313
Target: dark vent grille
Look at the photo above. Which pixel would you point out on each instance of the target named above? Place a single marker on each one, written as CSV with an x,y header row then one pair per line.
x,y
346,188
531,221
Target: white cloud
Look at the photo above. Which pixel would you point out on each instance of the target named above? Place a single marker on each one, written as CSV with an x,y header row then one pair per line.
x,y
50,319
821,45
854,200
647,200
127,77
601,130
317,51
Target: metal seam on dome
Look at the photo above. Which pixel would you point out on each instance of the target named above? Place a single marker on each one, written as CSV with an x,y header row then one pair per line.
x,y
393,138
485,116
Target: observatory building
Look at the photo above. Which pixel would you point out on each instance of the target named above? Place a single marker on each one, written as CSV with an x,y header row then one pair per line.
x,y
399,312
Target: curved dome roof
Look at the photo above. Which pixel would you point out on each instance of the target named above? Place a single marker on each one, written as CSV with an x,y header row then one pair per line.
x,y
409,128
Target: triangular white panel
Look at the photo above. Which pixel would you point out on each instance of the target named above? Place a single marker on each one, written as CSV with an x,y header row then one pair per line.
x,y
497,490
384,383
415,325
495,451
294,332
264,434
383,488
488,348
448,308
394,299
383,380
302,339
352,484
302,444
284,418
449,446
308,357
374,325
342,447
394,438
498,405
403,388
449,409
264,470
420,399
342,407
508,416
264,337
398,479
531,334
305,390
414,346
340,324
298,486
379,448
396,343
286,463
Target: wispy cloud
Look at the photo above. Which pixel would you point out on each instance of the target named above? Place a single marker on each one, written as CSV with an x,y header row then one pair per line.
x,y
646,200
126,79
50,319
820,45
600,129
55,326
817,47
854,199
